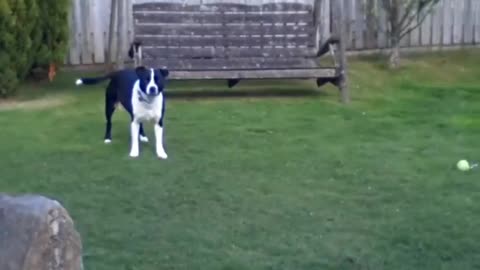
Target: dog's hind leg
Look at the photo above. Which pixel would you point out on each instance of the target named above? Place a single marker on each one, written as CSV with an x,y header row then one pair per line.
x,y
110,100
143,137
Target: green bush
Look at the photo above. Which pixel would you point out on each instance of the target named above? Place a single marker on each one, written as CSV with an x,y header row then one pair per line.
x,y
26,19
54,31
33,33
8,77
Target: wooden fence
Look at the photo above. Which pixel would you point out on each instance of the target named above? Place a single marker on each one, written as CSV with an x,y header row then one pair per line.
x,y
453,23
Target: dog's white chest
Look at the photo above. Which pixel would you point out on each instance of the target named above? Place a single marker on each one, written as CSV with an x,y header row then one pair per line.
x,y
147,110
146,114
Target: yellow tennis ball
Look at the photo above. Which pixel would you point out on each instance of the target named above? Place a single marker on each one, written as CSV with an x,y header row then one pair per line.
x,y
463,165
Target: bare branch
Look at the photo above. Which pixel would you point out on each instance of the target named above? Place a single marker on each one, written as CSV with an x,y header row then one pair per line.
x,y
407,28
407,13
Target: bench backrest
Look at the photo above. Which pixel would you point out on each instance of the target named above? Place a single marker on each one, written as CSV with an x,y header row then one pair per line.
x,y
228,35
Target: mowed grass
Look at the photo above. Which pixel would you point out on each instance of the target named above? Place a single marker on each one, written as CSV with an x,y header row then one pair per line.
x,y
276,176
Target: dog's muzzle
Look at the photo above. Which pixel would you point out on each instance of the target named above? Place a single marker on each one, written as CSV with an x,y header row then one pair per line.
x,y
152,91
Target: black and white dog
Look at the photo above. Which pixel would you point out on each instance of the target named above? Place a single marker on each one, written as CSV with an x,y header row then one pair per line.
x,y
140,91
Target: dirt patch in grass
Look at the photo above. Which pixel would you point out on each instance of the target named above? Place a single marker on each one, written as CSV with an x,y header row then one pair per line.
x,y
36,104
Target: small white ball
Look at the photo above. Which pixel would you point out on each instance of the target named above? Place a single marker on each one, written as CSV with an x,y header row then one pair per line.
x,y
463,165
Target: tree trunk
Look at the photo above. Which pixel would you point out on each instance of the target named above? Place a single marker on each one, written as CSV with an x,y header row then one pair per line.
x,y
394,61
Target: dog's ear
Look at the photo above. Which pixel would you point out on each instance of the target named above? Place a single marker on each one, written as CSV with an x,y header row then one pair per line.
x,y
164,71
140,70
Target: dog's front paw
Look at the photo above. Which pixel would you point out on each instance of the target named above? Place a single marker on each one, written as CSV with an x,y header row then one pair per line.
x,y
161,154
134,154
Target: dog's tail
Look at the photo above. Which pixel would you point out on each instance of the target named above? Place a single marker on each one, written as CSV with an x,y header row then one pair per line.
x,y
93,80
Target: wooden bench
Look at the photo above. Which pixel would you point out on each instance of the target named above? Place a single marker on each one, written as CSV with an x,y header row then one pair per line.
x,y
239,41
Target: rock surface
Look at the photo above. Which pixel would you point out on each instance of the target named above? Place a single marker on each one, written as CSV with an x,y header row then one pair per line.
x,y
37,233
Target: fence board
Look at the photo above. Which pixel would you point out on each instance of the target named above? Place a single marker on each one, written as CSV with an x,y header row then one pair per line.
x,y
381,24
87,40
457,21
74,24
325,25
447,23
476,14
370,24
415,36
359,24
129,22
98,42
468,31
437,22
426,31
349,6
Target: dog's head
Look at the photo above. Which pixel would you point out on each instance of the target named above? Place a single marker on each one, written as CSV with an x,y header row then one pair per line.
x,y
152,81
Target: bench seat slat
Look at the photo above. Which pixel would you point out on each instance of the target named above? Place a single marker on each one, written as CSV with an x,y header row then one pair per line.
x,y
254,74
224,52
235,41
213,18
217,29
230,64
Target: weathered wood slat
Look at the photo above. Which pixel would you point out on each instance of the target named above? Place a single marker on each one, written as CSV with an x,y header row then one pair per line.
x,y
437,23
382,41
255,74
359,24
349,6
87,40
458,21
414,35
426,31
447,23
75,34
199,29
469,22
232,63
222,52
225,7
325,20
177,41
212,18
98,55
476,14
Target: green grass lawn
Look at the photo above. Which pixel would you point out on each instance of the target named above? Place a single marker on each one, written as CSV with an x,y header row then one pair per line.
x,y
280,176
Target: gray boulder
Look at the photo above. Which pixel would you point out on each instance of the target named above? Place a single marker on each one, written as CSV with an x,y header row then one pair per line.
x,y
37,233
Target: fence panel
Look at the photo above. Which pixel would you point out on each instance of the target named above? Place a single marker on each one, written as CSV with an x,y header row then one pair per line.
x,y
453,22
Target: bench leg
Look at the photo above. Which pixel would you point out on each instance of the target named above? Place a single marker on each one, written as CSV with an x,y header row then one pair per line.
x,y
322,81
342,85
232,82
339,82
